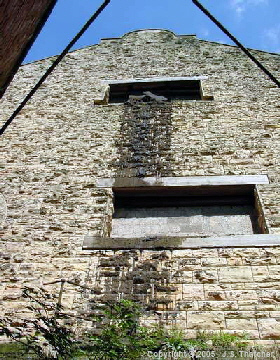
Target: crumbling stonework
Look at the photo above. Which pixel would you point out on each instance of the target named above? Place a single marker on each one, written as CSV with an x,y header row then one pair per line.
x,y
61,144
146,139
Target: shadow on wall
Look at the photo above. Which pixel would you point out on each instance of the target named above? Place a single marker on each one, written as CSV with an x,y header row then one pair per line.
x,y
144,144
128,275
144,149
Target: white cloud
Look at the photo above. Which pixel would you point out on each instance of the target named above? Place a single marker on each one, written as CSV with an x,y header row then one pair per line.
x,y
271,38
240,6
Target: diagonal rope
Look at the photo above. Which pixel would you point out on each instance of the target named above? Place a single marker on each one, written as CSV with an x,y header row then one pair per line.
x,y
238,43
54,65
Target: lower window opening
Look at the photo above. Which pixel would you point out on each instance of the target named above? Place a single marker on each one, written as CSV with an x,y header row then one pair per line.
x,y
201,212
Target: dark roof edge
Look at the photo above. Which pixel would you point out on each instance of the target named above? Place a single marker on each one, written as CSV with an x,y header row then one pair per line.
x,y
28,45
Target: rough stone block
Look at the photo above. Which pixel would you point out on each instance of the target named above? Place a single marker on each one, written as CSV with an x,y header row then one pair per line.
x,y
241,324
205,320
269,328
193,292
236,274
217,305
214,262
241,295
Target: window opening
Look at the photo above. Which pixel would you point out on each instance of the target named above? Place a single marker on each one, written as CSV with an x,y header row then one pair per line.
x,y
168,90
196,211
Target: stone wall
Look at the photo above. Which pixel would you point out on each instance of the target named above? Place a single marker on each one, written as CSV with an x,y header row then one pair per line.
x,y
61,143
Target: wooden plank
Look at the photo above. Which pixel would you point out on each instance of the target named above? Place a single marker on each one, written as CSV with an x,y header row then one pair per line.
x,y
183,181
159,79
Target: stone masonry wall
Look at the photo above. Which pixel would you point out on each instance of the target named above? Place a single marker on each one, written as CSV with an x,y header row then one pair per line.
x,y
61,143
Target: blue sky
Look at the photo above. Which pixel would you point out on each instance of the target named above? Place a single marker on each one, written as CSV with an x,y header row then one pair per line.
x,y
256,23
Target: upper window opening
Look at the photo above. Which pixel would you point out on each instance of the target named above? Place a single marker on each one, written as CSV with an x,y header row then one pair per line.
x,y
168,90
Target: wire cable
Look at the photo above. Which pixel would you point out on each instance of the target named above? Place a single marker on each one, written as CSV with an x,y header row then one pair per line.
x,y
54,65
238,43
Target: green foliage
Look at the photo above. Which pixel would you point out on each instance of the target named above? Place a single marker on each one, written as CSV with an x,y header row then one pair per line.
x,y
225,340
121,336
11,351
49,339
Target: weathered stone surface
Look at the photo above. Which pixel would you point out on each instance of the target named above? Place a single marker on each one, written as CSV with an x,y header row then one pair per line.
x,y
269,328
193,292
215,295
241,295
61,145
236,274
214,262
205,320
205,276
241,324
183,277
217,305
239,314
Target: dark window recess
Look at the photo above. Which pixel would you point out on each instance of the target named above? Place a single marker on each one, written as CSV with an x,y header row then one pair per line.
x,y
191,211
180,89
